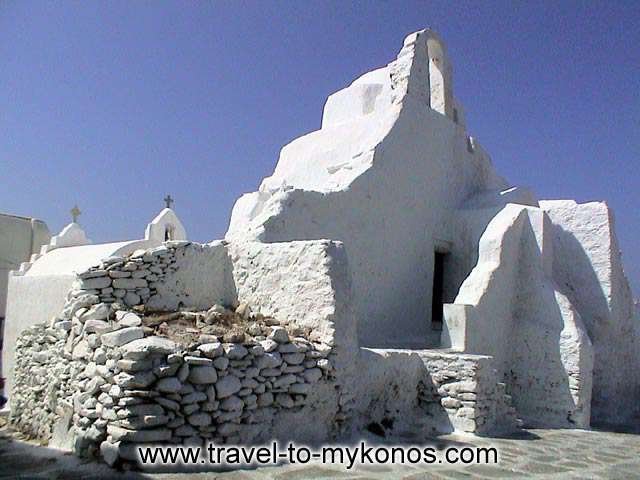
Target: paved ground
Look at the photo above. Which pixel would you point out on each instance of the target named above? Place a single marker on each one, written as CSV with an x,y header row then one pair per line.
x,y
533,454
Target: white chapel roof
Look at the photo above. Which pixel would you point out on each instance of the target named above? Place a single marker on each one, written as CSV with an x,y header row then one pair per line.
x,y
66,261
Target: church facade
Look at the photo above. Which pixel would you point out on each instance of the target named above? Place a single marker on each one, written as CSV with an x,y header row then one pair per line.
x,y
444,252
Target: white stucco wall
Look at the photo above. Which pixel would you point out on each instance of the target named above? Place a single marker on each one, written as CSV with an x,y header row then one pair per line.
x,y
201,278
587,268
383,178
165,226
20,237
467,225
31,300
393,175
305,283
509,307
491,286
4,285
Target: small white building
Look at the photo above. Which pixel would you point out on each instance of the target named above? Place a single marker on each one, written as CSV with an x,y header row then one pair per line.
x,y
38,289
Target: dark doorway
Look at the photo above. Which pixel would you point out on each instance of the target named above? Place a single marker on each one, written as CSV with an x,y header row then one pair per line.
x,y
438,291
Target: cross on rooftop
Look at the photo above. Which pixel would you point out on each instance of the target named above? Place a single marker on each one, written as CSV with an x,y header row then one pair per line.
x,y
75,213
168,200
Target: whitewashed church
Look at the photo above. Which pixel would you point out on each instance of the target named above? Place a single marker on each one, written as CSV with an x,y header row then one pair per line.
x,y
385,274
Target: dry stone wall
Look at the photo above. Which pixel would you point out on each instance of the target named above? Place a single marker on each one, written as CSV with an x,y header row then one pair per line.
x,y
45,376
431,392
109,374
131,280
467,387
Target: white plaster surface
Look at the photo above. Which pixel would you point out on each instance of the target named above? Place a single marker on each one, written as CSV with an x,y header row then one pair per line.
x,y
166,226
70,236
509,308
394,176
31,300
67,261
587,268
349,181
304,283
202,278
20,237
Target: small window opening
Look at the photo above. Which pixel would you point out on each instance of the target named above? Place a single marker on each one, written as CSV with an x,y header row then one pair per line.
x,y
438,84
438,291
455,115
168,233
470,147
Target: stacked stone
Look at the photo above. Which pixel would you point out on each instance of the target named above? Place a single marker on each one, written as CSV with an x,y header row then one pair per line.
x,y
346,404
208,392
497,413
131,280
43,379
124,387
117,384
467,387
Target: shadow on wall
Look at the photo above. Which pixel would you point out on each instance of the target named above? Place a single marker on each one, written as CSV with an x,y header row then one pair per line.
x,y
397,394
508,308
615,343
537,376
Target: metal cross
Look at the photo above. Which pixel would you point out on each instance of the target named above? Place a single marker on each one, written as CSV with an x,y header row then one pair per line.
x,y
168,200
75,213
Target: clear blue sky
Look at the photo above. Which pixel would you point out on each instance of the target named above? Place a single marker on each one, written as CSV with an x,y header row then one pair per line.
x,y
111,105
